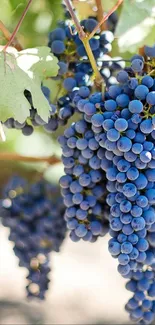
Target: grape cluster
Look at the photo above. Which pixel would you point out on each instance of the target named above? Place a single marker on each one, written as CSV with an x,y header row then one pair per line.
x,y
82,185
122,122
35,218
75,69
64,39
141,307
129,136
123,126
26,128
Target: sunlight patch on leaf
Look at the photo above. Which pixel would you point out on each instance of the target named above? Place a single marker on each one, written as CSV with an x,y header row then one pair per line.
x,y
39,61
20,71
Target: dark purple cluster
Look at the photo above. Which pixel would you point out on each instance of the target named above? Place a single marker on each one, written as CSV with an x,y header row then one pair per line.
x,y
122,123
35,217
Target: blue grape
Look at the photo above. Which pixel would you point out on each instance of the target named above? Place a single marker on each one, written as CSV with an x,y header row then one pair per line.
x,y
57,34
137,65
89,109
121,124
62,68
150,98
81,231
129,190
148,81
126,248
123,259
122,100
69,83
135,106
141,92
122,77
90,24
113,135
149,51
27,130
84,92
114,247
58,47
124,144
123,269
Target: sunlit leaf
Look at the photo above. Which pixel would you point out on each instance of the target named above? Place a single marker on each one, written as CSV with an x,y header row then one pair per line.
x,y
39,61
136,26
13,82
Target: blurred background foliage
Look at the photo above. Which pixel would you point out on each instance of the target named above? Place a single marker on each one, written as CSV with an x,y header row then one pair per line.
x,y
40,19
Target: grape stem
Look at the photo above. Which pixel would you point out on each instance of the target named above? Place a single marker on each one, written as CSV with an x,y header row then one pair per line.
x,y
152,72
92,60
79,28
6,156
114,8
13,35
100,13
7,35
85,39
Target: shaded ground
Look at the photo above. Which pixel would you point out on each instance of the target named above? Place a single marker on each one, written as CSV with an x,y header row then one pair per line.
x,y
85,287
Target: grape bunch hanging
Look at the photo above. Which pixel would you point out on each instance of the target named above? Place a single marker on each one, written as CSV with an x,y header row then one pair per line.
x,y
108,154
35,217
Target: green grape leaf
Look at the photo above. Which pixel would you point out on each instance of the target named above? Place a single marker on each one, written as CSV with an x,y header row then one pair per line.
x,y
39,61
136,26
14,81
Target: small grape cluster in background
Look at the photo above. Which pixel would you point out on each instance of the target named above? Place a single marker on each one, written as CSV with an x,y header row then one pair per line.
x,y
34,215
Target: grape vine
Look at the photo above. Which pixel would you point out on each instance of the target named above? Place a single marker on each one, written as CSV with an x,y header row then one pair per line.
x,y
98,106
